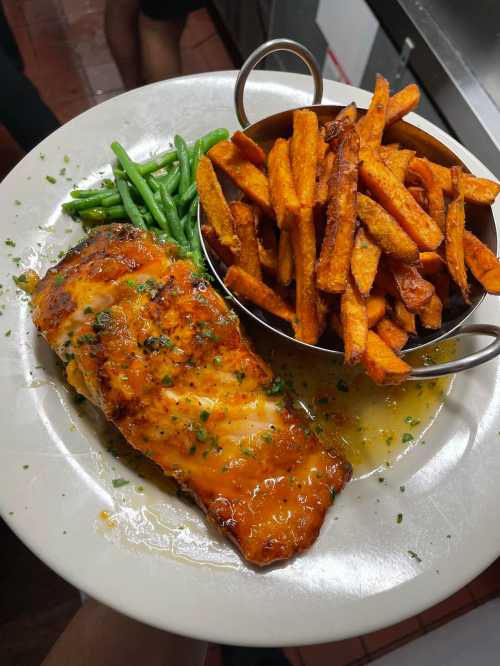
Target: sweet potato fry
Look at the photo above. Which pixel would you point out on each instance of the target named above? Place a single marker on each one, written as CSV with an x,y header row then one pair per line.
x,y
304,155
415,292
344,120
375,308
403,317
435,196
250,150
325,173
431,262
306,324
402,103
224,252
246,286
398,162
244,225
441,282
431,314
268,259
396,199
335,257
281,184
371,126
454,239
215,205
385,230
350,111
285,259
393,336
364,261
382,365
482,263
322,144
384,281
476,190
243,173
388,149
418,193
354,322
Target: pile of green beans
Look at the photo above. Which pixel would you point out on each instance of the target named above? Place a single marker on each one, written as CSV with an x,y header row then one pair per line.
x,y
159,195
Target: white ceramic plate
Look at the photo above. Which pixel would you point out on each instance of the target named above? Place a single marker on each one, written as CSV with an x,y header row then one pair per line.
x,y
160,563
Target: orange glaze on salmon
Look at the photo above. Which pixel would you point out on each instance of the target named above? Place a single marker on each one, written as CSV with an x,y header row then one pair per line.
x,y
148,340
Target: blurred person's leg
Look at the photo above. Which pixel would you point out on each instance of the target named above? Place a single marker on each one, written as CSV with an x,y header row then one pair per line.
x,y
161,24
99,636
22,111
122,34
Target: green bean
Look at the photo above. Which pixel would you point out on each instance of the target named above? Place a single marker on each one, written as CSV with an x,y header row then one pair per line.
x,y
197,153
111,200
185,198
172,216
193,208
213,137
171,182
156,163
140,183
130,207
84,194
153,183
163,160
183,157
100,214
164,236
88,202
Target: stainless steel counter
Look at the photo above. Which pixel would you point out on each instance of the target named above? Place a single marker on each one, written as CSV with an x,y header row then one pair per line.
x,y
457,60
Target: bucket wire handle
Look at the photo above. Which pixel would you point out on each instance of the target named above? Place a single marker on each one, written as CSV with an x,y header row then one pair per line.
x,y
467,362
259,54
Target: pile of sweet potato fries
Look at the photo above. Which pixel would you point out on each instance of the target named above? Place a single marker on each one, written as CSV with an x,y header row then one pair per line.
x,y
336,229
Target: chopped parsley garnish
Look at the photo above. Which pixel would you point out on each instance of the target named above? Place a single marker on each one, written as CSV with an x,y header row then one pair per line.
x,y
204,415
87,339
412,421
102,321
59,280
192,450
118,483
275,387
155,343
240,375
381,479
414,556
167,380
407,437
26,466
333,493
10,242
402,488
201,434
87,310
66,159
20,279
217,360
342,386
7,333
267,438
247,452
399,518
51,179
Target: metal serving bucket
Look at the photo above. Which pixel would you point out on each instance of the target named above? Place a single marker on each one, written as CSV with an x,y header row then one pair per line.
x,y
479,219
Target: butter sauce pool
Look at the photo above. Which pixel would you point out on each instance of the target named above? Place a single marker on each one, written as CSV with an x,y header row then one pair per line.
x,y
372,425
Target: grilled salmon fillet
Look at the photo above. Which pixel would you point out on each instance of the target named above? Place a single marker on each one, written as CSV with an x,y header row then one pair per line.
x,y
149,341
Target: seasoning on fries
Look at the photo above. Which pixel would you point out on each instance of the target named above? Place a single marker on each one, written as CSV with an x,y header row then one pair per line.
x,y
250,288
354,323
364,261
244,224
249,149
335,257
338,227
